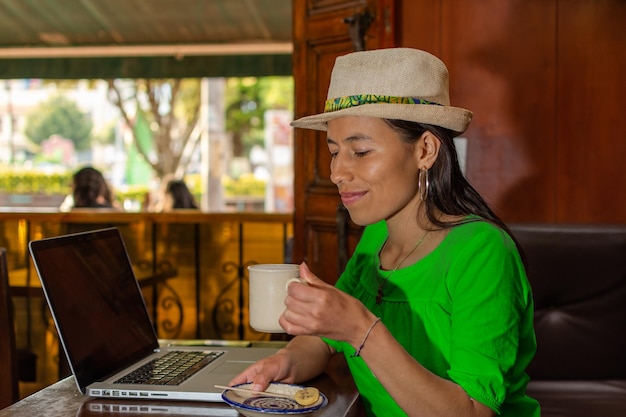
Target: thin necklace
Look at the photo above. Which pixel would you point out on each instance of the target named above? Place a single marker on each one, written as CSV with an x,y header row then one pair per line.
x,y
381,284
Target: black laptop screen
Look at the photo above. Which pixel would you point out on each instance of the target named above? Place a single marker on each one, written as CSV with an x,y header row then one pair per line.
x,y
95,301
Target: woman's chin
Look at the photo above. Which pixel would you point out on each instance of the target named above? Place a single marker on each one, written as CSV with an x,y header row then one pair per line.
x,y
362,219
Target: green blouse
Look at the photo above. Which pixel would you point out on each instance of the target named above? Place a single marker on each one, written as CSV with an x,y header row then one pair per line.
x,y
465,312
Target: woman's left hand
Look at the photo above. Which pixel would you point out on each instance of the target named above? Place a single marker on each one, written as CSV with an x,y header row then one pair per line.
x,y
320,309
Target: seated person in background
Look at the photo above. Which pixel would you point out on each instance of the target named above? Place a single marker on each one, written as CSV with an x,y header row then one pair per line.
x,y
91,190
178,196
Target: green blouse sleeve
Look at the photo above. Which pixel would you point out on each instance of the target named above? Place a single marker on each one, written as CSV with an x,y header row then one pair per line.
x,y
491,304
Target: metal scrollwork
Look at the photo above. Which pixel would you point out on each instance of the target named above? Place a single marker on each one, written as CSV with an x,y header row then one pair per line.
x,y
224,310
228,312
164,298
170,303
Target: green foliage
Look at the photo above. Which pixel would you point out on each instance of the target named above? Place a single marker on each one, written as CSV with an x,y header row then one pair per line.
x,y
247,100
185,108
55,159
17,181
59,116
135,192
29,182
106,135
22,182
246,185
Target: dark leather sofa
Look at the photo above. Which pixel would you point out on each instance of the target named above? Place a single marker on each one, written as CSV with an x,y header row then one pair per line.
x,y
578,276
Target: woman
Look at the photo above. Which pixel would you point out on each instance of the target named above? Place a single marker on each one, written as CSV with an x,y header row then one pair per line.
x,y
179,196
433,312
91,190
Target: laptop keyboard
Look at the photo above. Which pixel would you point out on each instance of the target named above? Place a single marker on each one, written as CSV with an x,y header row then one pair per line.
x,y
170,369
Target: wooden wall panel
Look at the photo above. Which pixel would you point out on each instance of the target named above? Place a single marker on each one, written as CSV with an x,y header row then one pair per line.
x,y
322,243
500,58
504,68
544,79
591,118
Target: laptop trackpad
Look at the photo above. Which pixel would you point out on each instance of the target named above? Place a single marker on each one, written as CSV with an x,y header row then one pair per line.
x,y
232,367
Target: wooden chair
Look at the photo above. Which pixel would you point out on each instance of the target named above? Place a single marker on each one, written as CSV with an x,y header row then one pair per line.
x,y
9,388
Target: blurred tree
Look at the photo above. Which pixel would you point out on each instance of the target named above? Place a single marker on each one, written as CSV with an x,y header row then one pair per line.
x,y
247,99
61,116
106,135
171,110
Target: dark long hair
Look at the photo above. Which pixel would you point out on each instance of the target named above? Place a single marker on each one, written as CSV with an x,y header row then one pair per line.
x,y
449,192
88,184
181,196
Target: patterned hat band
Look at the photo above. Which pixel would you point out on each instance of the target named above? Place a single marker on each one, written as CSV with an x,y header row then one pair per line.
x,y
340,103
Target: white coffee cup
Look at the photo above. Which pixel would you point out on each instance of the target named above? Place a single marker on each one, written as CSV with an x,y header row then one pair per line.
x,y
267,292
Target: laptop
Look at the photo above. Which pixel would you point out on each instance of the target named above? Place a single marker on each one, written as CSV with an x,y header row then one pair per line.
x,y
106,331
113,406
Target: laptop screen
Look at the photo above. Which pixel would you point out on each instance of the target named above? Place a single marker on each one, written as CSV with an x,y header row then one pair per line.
x,y
95,301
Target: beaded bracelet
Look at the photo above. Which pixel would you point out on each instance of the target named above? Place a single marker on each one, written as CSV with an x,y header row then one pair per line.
x,y
358,351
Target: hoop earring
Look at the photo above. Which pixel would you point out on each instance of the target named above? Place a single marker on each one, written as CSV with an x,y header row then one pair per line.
x,y
423,184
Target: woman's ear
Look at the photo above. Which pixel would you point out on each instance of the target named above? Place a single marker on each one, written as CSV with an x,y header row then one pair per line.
x,y
427,150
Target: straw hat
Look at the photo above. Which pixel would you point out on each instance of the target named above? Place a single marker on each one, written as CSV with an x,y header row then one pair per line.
x,y
395,83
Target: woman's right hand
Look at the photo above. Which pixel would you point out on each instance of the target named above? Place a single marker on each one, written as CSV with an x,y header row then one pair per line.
x,y
303,358
321,309
273,368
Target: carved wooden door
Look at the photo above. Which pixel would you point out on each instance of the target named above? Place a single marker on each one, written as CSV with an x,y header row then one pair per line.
x,y
323,30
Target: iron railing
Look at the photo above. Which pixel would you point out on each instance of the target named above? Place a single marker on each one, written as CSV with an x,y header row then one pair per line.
x,y
191,265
